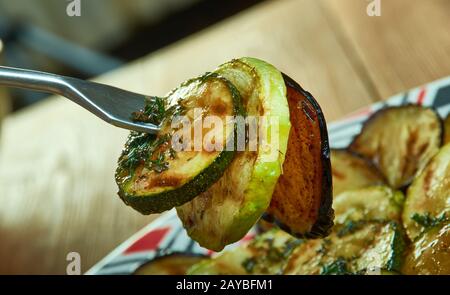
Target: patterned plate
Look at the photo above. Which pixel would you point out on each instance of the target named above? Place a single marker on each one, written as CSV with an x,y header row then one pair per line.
x,y
167,235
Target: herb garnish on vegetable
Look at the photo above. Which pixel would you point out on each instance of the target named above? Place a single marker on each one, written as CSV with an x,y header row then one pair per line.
x,y
428,221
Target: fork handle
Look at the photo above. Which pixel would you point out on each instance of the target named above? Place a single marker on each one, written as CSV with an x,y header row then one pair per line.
x,y
110,104
28,79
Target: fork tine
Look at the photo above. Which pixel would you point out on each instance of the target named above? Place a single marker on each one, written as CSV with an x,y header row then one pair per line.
x,y
109,103
112,104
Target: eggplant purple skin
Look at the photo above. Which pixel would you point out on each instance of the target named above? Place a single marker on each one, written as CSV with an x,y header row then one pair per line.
x,y
379,112
385,108
324,223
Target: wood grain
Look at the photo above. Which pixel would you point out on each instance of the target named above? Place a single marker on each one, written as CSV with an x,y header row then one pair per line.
x,y
57,161
407,46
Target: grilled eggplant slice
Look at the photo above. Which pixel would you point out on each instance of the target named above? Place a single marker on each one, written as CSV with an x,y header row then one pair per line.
x,y
152,177
263,226
447,129
301,202
229,208
365,249
352,171
430,253
371,203
428,198
266,254
170,264
400,141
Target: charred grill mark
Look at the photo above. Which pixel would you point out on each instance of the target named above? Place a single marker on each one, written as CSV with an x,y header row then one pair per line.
x,y
337,174
412,140
219,108
423,147
427,180
165,181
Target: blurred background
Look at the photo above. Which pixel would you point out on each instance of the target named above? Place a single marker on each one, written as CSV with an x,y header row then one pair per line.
x,y
108,33
57,161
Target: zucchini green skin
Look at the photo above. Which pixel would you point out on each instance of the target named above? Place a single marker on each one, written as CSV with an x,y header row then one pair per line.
x,y
382,254
166,200
393,247
321,226
428,196
169,199
265,255
369,247
228,209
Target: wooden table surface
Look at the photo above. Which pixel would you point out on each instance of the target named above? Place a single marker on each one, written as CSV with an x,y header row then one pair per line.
x,y
57,162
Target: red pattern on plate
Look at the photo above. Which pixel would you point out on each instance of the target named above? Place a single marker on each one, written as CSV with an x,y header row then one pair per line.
x,y
421,96
148,242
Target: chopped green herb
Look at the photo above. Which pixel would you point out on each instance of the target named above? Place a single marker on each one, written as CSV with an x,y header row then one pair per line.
x,y
275,254
337,267
139,149
135,150
349,227
290,246
141,146
323,249
269,253
427,221
172,153
249,264
159,164
154,111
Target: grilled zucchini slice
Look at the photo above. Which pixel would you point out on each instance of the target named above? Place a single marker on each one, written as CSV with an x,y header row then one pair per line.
x,y
301,202
352,171
176,263
447,129
372,203
152,178
428,198
430,253
229,208
365,249
400,141
266,254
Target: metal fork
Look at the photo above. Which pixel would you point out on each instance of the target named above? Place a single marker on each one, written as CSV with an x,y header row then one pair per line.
x,y
110,104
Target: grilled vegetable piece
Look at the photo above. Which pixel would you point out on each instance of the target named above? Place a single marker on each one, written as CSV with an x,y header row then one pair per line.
x,y
171,264
151,176
371,203
430,253
400,141
263,226
367,248
447,129
229,208
301,202
266,254
351,171
428,198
